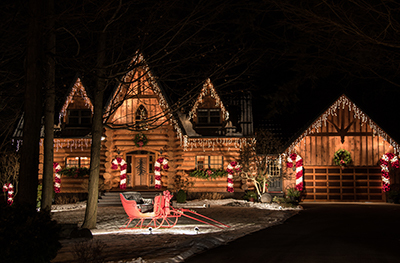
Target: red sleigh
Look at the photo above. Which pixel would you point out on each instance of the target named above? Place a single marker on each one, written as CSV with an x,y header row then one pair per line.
x,y
163,215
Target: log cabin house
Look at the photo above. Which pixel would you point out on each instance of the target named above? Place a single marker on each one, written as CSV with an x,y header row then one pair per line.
x,y
343,125
141,127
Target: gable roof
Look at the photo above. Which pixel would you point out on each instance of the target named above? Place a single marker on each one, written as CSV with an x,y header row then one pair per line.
x,y
208,88
162,97
342,101
76,88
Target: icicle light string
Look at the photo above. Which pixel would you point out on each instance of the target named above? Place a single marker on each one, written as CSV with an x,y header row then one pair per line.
x,y
208,86
342,102
212,143
76,89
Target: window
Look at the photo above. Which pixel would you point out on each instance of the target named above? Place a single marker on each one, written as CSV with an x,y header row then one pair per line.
x,y
77,162
141,113
80,117
274,168
209,116
205,162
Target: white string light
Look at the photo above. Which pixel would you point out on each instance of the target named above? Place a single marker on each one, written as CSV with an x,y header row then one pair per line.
x,y
344,101
76,89
208,87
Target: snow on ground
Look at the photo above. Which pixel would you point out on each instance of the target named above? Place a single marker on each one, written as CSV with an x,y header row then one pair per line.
x,y
173,244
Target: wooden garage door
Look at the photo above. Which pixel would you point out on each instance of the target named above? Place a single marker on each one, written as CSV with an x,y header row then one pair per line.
x,y
351,184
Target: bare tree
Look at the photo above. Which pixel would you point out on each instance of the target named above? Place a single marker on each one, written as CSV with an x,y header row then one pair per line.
x,y
255,159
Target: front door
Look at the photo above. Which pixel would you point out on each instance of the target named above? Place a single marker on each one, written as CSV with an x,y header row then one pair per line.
x,y
140,172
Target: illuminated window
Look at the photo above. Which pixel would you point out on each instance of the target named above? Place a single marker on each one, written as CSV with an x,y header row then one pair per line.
x,y
141,113
205,162
80,117
208,116
77,162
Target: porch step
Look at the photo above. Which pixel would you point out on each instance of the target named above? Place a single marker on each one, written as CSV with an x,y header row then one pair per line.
x,y
113,199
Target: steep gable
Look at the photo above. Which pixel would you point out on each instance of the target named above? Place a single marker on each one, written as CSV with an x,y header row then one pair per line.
x,y
208,114
139,103
331,122
77,100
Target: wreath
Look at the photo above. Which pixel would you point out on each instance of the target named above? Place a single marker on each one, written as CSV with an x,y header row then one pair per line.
x,y
342,158
140,140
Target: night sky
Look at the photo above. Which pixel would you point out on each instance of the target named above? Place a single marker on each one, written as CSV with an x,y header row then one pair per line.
x,y
296,58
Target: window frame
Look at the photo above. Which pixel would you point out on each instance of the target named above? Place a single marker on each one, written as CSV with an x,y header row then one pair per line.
x,y
210,162
209,116
79,158
79,117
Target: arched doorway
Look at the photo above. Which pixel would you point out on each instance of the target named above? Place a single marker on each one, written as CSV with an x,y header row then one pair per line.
x,y
140,170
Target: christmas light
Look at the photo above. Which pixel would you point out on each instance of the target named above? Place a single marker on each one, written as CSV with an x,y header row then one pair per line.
x,y
76,89
212,143
72,144
208,88
342,102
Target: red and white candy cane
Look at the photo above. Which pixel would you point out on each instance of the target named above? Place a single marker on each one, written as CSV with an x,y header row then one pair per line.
x,y
160,163
299,169
57,178
123,165
232,167
9,188
385,160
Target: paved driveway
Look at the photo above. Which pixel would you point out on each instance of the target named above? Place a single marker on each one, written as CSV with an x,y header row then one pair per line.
x,y
322,233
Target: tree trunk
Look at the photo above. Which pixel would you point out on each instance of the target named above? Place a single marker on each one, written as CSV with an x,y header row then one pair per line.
x,y
97,130
28,174
47,189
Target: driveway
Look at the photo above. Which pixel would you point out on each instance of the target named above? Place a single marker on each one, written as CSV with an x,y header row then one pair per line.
x,y
321,233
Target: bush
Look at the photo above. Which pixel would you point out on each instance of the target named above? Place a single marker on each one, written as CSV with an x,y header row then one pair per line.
x,y
27,235
181,196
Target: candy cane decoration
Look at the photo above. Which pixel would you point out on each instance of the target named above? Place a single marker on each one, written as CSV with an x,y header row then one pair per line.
x,y
232,167
57,178
385,160
123,165
9,188
160,163
299,169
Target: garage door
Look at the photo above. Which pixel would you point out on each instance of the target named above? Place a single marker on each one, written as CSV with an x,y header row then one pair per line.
x,y
361,184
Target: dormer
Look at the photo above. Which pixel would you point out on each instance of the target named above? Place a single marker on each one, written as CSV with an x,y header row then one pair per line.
x,y
208,114
77,111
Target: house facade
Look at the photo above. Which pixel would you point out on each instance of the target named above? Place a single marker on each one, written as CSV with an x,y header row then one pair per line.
x,y
142,128
343,128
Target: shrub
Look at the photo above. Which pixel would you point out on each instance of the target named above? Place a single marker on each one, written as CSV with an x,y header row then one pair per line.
x,y
89,251
181,196
27,235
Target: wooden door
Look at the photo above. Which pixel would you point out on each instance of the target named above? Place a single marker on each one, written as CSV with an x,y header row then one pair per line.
x,y
140,170
351,184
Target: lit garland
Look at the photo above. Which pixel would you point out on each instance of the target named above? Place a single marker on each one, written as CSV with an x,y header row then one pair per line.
x,y
160,163
208,86
76,89
342,102
385,160
9,188
212,143
123,166
57,178
295,158
232,167
72,144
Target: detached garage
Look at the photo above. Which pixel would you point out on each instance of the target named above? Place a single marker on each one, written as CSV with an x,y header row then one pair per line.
x,y
341,152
